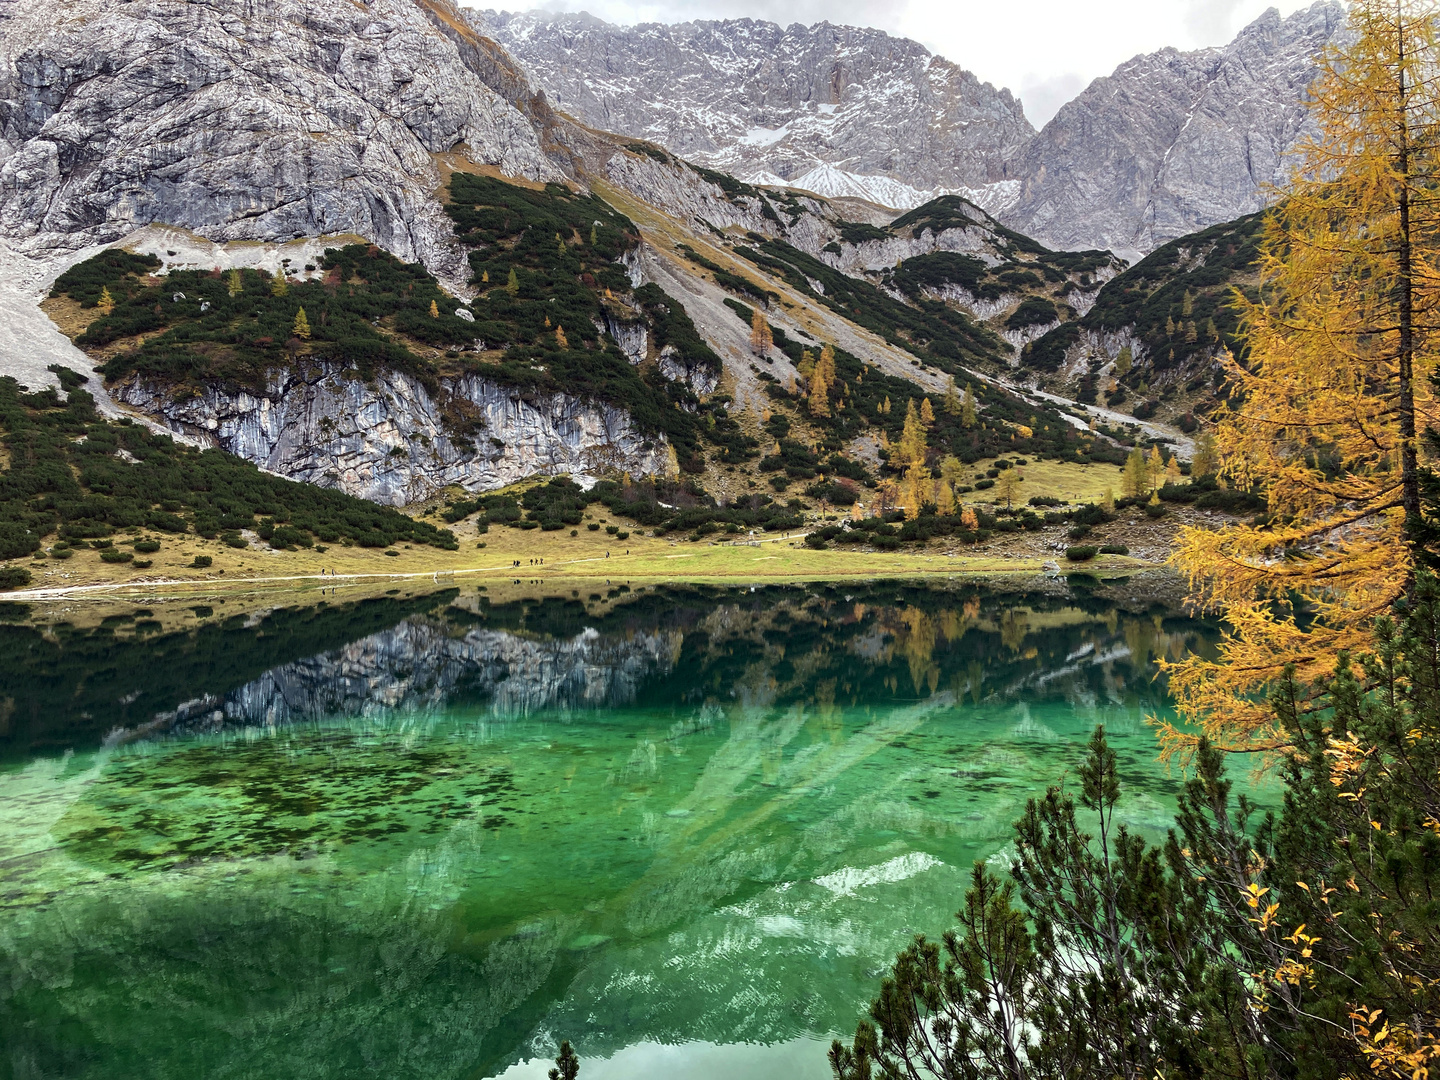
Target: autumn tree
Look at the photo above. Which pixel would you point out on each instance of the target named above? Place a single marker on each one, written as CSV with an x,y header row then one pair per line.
x,y
822,382
512,283
1008,485
106,303
927,413
434,310
1154,467
952,470
279,285
1124,361
301,326
761,337
560,339
951,402
910,455
234,283
1324,415
1206,461
967,408
1132,479
944,498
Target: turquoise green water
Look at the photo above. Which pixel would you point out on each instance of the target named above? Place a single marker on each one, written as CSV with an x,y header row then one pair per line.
x,y
685,830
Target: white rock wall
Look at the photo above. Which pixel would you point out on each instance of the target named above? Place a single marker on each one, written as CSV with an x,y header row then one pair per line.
x,y
389,441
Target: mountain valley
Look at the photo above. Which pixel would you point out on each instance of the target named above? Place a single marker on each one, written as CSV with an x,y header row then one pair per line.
x,y
497,292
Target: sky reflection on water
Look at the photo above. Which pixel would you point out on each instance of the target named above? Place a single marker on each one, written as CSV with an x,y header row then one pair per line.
x,y
429,837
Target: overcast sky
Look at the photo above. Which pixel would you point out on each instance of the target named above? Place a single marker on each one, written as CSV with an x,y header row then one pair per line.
x,y
1046,51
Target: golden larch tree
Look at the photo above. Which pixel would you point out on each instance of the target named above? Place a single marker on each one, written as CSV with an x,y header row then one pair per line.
x,y
944,499
968,417
951,401
1154,467
1008,485
1323,415
910,455
234,283
761,338
1206,461
1132,479
106,303
301,327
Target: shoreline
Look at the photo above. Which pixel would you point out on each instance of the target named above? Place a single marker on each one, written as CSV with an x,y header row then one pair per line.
x,y
622,567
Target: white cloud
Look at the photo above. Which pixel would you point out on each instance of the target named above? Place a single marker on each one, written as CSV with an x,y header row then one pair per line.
x,y
1040,49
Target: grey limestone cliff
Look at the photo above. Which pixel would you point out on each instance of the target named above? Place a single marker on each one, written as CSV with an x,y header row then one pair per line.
x,y
261,120
1172,141
393,441
784,104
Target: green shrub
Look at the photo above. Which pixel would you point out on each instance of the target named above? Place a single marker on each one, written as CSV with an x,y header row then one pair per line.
x,y
14,577
201,562
1081,553
1114,549
115,555
145,547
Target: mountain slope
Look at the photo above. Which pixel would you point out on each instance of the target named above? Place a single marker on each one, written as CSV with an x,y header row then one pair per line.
x,y
1172,141
831,109
587,312
305,118
1151,341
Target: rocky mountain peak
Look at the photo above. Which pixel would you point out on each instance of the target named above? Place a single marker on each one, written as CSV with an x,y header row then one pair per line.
x,y
1173,141
267,120
835,109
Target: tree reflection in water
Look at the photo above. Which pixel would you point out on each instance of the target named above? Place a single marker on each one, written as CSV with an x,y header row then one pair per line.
x,y
693,816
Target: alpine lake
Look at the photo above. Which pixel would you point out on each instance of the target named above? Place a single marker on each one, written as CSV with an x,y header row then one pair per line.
x,y
430,834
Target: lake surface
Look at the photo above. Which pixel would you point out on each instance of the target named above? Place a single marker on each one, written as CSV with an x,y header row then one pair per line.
x,y
429,836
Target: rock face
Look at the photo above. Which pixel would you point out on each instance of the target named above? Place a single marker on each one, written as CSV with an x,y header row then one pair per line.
x,y
263,120
394,442
1172,142
777,104
1169,143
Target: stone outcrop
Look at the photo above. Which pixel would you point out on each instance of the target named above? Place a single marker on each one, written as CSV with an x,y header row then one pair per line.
x,y
393,441
266,120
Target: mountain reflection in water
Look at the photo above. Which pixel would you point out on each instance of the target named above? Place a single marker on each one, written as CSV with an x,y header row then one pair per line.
x,y
674,818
